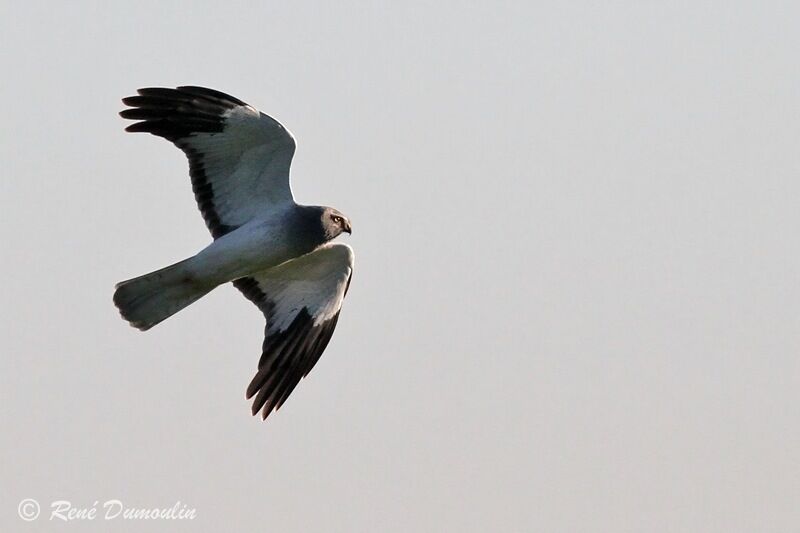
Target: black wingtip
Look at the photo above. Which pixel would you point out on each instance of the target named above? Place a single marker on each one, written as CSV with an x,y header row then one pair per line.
x,y
252,389
210,93
176,114
288,356
158,91
148,126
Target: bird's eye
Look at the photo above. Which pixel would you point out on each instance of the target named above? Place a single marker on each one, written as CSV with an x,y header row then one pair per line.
x,y
338,220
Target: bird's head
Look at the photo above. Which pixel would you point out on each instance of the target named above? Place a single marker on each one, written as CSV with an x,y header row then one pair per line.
x,y
334,223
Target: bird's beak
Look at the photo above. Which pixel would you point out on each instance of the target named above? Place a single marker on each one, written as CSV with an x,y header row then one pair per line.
x,y
347,227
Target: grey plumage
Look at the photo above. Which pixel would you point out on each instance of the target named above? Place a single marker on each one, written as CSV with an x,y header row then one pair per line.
x,y
278,253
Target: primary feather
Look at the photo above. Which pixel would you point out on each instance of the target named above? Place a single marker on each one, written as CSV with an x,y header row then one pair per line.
x,y
273,250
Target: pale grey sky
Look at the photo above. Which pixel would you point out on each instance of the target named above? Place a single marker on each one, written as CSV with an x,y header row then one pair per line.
x,y
575,305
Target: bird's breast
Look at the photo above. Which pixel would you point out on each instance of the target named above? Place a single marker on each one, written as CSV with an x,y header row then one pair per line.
x,y
251,248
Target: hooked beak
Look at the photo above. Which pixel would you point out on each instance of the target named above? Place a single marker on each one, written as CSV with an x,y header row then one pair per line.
x,y
347,227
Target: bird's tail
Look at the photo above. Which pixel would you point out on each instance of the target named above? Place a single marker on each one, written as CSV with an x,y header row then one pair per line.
x,y
147,300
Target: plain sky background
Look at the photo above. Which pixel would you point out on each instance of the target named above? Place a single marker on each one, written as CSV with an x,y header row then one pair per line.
x,y
575,305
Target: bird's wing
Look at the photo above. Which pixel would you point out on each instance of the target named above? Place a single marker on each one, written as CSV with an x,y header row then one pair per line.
x,y
239,158
301,300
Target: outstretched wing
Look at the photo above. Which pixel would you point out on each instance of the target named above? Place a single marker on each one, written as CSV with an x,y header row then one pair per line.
x,y
301,300
239,158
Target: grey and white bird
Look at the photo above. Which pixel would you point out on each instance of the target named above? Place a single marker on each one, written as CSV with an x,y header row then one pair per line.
x,y
277,252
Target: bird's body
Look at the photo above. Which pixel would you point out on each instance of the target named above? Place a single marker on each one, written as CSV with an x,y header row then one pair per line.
x,y
258,245
277,252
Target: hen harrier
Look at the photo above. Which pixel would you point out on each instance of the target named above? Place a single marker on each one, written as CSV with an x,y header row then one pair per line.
x,y
278,253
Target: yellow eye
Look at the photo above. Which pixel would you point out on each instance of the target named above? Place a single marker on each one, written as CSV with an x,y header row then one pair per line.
x,y
337,219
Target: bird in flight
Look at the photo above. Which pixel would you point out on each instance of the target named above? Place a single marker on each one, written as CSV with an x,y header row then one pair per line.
x,y
278,253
